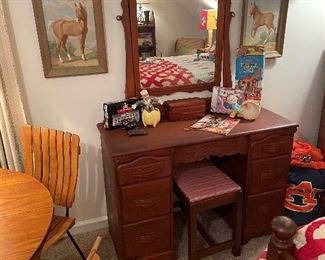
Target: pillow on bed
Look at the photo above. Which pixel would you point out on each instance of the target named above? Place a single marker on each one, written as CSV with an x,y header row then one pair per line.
x,y
185,51
185,46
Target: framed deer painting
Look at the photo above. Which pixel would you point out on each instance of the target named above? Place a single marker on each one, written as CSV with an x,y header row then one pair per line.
x,y
71,37
263,24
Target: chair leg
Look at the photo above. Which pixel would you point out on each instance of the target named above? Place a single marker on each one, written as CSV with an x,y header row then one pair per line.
x,y
192,235
237,224
76,245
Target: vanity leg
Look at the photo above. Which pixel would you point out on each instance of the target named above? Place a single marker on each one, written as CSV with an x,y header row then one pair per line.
x,y
192,235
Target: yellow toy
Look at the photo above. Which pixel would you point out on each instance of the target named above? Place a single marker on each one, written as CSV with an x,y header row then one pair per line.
x,y
150,118
150,114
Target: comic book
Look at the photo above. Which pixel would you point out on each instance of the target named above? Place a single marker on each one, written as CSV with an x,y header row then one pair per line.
x,y
214,124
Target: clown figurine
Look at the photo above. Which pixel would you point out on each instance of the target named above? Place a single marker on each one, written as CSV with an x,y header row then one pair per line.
x,y
150,114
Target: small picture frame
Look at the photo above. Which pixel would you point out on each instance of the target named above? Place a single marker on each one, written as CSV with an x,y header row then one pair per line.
x,y
224,99
264,24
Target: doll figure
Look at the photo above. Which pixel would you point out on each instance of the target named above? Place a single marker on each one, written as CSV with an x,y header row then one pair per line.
x,y
232,101
147,102
150,114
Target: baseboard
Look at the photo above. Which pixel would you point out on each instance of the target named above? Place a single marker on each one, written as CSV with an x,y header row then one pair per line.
x,y
89,225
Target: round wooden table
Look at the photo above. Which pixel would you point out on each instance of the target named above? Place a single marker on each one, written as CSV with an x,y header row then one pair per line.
x,y
26,210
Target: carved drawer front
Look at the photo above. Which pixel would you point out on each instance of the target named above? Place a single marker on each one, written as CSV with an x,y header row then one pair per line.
x,y
147,238
268,174
271,146
198,152
145,168
145,201
261,209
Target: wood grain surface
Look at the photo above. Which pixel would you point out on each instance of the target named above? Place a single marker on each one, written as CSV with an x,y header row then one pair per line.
x,y
26,210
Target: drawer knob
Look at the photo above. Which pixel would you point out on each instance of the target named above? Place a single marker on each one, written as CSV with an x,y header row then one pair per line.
x,y
147,203
146,238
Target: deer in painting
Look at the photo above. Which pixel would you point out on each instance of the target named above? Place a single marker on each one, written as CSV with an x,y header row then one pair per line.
x,y
62,29
261,19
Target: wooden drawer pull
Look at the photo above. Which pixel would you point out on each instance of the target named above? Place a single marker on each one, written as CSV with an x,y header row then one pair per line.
x,y
267,175
144,176
272,148
147,203
146,238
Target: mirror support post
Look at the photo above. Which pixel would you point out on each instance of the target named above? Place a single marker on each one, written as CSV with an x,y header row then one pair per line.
x,y
227,81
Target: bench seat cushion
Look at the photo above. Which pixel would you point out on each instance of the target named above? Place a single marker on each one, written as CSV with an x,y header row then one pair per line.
x,y
202,180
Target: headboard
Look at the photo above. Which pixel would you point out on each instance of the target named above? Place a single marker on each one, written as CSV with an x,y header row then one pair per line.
x,y
321,133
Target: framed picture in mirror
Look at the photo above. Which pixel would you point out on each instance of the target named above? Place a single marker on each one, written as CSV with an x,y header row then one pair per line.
x,y
263,24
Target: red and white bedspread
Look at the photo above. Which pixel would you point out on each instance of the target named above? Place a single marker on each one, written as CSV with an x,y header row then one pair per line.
x,y
174,71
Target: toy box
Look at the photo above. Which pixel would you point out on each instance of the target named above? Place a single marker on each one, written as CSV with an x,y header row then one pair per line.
x,y
120,114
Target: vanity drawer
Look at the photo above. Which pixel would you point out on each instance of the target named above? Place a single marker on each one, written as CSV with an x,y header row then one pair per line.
x,y
270,145
146,201
147,238
144,168
222,147
268,174
262,208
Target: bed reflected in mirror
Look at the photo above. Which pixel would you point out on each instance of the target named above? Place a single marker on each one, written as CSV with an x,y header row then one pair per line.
x,y
176,42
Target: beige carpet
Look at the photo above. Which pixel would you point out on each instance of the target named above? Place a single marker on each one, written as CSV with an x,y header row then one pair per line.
x,y
218,229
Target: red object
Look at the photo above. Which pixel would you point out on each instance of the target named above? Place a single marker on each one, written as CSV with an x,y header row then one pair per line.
x,y
208,19
314,247
163,74
307,156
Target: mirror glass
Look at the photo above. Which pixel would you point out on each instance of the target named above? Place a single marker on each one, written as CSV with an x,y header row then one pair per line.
x,y
176,42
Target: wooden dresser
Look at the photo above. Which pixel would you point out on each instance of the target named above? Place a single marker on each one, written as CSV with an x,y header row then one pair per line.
x,y
138,179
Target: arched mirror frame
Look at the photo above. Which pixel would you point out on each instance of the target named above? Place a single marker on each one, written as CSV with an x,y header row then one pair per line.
x,y
222,64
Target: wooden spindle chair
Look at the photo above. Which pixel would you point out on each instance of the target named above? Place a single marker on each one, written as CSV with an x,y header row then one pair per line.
x,y
52,157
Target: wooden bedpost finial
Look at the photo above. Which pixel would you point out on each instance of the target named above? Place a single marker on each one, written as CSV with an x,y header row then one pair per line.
x,y
281,243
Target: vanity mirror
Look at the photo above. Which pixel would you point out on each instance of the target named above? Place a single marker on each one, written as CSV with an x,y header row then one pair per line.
x,y
176,45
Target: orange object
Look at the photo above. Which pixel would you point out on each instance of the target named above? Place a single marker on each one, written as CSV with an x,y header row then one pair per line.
x,y
26,210
306,155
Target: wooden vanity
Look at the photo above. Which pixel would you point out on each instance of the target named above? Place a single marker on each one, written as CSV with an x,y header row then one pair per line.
x,y
138,177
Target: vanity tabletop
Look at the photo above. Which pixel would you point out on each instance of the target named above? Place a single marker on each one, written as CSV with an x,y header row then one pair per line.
x,y
172,134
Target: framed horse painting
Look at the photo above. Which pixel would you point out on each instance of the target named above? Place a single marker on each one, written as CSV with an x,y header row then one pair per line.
x,y
71,37
263,24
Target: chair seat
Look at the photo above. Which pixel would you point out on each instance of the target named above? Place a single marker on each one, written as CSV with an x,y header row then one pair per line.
x,y
59,226
202,181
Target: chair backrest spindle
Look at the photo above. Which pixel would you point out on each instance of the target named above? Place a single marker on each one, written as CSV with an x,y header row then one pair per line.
x,y
52,157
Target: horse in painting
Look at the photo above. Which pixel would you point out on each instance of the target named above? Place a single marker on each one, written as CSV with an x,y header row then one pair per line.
x,y
260,19
62,29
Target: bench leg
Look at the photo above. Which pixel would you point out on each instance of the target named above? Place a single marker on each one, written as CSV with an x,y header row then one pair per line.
x,y
192,235
237,224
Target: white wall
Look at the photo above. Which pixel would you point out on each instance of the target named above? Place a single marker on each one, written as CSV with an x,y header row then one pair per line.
x,y
176,19
293,86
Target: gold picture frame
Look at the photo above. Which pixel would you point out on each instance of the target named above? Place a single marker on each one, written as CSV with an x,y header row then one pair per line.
x,y
264,24
71,37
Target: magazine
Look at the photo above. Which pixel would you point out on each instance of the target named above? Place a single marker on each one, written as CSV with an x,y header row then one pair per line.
x,y
213,124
